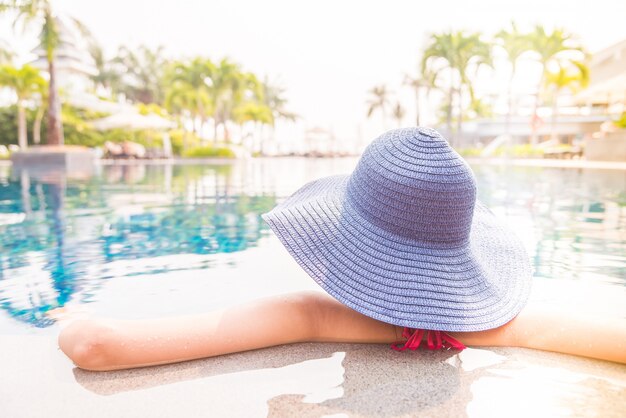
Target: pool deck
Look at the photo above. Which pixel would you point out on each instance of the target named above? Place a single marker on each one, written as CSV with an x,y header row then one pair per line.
x,y
315,379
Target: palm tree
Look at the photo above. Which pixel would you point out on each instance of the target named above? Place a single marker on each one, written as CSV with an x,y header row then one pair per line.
x,y
6,54
551,48
379,100
573,76
42,106
398,113
25,82
109,77
190,89
40,12
181,102
143,69
274,99
250,92
515,44
255,112
427,81
229,85
457,52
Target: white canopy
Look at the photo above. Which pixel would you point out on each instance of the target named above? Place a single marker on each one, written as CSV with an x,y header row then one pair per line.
x,y
132,120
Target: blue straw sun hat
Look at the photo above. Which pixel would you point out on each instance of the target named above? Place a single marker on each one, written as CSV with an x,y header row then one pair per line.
x,y
403,239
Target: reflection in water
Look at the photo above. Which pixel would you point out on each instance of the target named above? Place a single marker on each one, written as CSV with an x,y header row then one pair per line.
x,y
61,239
574,220
54,231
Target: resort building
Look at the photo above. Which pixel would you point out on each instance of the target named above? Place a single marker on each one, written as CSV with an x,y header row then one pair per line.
x,y
607,88
74,64
579,116
75,68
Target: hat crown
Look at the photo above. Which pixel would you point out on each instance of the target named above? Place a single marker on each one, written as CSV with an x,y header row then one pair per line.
x,y
411,183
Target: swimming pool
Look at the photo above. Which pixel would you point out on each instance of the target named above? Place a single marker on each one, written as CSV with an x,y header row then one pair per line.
x,y
143,240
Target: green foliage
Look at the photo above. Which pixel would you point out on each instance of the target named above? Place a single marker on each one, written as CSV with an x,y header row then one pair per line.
x,y
141,74
378,100
8,125
151,108
209,152
461,54
78,131
518,150
190,87
515,43
621,122
274,99
479,109
469,152
24,81
554,45
570,74
253,112
181,140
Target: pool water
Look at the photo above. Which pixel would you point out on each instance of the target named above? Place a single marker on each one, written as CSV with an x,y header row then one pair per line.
x,y
145,240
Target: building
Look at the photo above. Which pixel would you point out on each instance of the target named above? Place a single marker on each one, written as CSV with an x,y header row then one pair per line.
x,y
607,88
580,115
74,64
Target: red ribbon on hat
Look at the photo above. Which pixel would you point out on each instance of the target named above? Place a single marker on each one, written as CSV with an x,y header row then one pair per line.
x,y
435,340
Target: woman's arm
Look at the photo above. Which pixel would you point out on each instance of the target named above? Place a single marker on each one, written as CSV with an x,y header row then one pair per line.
x,y
561,330
107,344
308,316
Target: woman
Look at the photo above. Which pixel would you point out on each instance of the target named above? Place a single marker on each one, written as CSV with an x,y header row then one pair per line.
x,y
407,256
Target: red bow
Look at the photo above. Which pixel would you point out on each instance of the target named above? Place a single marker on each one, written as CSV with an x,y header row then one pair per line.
x,y
435,340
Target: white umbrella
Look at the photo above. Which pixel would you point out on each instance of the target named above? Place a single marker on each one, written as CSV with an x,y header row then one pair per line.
x,y
131,120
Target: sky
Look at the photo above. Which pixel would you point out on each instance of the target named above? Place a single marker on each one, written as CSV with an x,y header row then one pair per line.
x,y
328,54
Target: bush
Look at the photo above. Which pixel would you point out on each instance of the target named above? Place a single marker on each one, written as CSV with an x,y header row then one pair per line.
x,y
77,130
518,151
470,152
209,151
183,140
621,122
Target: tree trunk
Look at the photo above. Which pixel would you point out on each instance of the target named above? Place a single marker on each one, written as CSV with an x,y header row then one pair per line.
x,y
262,149
459,121
55,128
449,112
553,135
181,125
534,138
37,125
22,135
226,133
417,105
510,100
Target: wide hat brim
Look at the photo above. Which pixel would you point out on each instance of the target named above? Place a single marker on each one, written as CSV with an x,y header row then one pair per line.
x,y
477,286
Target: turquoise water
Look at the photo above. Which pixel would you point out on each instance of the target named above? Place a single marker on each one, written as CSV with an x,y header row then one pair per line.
x,y
72,241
